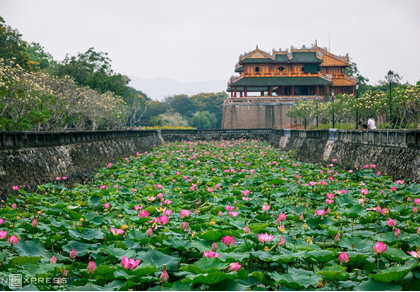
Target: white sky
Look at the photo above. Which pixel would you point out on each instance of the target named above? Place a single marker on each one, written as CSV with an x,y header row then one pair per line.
x,y
192,40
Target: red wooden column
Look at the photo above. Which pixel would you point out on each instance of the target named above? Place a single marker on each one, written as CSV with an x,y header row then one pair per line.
x,y
317,90
234,91
246,91
270,91
292,91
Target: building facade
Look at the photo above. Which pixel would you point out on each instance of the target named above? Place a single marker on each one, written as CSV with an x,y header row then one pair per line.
x,y
276,81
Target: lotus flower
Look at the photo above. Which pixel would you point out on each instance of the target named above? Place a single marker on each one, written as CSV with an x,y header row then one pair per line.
x,y
211,254
379,247
390,222
264,238
234,267
228,240
343,257
229,208
129,264
184,213
149,232
3,234
35,223
143,214
91,267
414,254
13,240
164,277
53,260
73,254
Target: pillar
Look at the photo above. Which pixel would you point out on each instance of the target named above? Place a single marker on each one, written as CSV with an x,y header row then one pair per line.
x,y
292,91
270,91
246,91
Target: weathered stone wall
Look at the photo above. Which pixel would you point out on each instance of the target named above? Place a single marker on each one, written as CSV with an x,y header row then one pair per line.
x,y
394,157
30,167
251,115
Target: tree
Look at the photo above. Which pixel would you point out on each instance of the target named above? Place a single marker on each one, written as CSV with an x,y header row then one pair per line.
x,y
36,53
170,118
182,104
137,103
93,69
204,120
12,47
211,102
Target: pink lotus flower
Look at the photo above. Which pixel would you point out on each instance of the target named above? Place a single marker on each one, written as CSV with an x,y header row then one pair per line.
x,y
312,183
13,240
417,201
163,220
15,188
143,214
73,254
265,237
229,208
301,217
1,221
3,234
364,191
14,206
116,231
228,240
282,217
214,246
393,189
329,202
103,187
149,232
247,230
337,237
343,257
184,226
320,212
378,209
265,207
330,196
390,222
167,212
397,232
415,210
35,223
246,192
418,230
220,214
58,178
53,260
129,264
414,254
109,165
234,267
211,254
379,247
400,181
282,241
137,208
91,267
164,276
107,205
184,213
233,214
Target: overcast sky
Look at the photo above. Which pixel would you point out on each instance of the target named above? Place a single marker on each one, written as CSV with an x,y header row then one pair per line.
x,y
192,40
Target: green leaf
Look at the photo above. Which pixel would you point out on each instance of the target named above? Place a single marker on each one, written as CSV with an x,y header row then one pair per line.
x,y
296,281
320,256
209,279
204,265
396,255
394,273
211,236
333,273
357,242
158,259
80,247
85,233
144,269
118,252
19,261
372,285
30,248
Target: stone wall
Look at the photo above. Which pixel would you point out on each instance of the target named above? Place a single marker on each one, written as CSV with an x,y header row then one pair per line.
x,y
29,159
251,115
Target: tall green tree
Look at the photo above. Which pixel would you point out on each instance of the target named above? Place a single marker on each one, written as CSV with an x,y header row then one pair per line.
x,y
204,120
93,69
37,54
211,102
12,47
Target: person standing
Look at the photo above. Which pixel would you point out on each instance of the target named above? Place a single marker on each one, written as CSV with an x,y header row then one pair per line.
x,y
371,123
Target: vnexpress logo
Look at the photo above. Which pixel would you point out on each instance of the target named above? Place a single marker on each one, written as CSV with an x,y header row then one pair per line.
x,y
15,281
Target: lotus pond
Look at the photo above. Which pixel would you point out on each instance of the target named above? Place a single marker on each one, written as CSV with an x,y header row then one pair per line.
x,y
220,215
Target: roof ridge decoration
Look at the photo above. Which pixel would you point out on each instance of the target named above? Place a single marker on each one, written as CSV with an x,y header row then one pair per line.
x,y
326,77
257,53
345,59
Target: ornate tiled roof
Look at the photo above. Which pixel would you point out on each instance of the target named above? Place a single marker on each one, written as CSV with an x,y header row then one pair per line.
x,y
279,81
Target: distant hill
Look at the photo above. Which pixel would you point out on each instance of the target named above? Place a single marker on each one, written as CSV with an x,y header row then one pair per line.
x,y
160,87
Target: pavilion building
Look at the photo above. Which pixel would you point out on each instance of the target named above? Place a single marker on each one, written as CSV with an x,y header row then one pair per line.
x,y
269,84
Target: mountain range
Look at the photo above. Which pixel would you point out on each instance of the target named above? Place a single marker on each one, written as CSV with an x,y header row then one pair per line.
x,y
160,87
